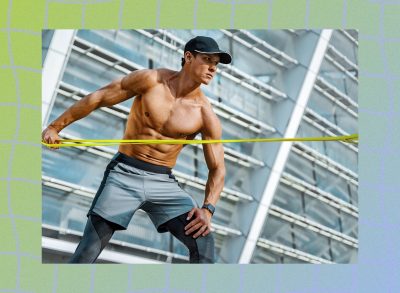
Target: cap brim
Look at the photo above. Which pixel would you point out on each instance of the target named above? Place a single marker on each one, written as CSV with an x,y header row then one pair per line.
x,y
224,57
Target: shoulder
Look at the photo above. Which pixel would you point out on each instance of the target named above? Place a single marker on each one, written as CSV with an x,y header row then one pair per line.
x,y
140,80
206,106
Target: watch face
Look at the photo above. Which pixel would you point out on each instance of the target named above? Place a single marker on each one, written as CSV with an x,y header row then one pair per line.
x,y
209,207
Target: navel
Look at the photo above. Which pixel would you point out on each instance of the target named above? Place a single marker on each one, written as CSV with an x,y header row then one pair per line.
x,y
147,114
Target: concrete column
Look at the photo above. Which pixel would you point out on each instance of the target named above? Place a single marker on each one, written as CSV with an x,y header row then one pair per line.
x,y
53,68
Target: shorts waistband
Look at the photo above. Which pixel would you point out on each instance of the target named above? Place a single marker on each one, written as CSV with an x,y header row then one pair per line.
x,y
146,166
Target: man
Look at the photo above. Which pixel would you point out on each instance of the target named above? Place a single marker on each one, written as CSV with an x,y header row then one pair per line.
x,y
168,105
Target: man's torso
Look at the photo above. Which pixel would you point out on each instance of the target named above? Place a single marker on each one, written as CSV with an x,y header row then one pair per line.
x,y
157,114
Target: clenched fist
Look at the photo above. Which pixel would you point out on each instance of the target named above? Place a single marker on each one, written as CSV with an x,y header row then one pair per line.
x,y
50,136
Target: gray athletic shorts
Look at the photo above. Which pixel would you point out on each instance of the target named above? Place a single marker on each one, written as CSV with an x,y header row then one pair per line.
x,y
130,184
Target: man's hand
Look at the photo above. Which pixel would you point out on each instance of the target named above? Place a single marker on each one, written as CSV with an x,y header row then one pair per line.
x,y
201,222
50,136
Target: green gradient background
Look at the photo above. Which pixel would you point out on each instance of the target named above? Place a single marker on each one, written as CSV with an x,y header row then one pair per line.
x,y
21,23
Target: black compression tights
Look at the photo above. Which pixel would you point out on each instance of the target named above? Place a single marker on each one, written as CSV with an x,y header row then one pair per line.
x,y
201,249
98,233
95,237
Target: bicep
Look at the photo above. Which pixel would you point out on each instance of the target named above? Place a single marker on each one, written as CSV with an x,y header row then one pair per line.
x,y
135,83
113,93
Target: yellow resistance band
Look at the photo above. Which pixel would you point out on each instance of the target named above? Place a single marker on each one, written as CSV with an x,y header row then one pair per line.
x,y
109,142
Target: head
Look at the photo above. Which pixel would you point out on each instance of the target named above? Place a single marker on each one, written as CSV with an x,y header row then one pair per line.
x,y
201,57
200,67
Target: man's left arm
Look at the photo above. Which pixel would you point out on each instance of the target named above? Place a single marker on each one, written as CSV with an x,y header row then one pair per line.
x,y
214,156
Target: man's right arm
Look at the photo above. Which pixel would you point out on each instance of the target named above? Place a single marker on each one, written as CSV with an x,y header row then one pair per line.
x,y
116,92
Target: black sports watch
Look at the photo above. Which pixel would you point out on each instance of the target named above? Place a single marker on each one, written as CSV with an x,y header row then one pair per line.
x,y
209,207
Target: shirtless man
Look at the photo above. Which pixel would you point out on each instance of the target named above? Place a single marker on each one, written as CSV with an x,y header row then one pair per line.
x,y
168,105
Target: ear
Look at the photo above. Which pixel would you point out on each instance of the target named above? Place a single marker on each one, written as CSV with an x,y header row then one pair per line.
x,y
188,57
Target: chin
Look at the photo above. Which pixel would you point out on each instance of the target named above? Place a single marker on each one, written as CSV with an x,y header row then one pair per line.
x,y
206,81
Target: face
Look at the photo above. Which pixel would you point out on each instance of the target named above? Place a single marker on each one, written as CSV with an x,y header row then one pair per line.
x,y
203,66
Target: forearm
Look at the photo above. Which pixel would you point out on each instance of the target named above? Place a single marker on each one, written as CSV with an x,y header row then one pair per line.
x,y
79,110
214,185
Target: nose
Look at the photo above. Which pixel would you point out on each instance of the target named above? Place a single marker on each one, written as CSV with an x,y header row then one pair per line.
x,y
212,68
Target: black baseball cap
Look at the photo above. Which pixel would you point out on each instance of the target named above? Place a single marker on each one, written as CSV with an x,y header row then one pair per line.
x,y
207,45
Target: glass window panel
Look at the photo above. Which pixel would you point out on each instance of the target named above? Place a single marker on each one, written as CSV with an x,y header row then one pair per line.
x,y
354,194
342,155
120,42
300,168
332,183
311,242
240,98
345,121
257,65
277,230
236,177
88,73
322,213
339,79
350,225
263,255
332,112
63,209
318,176
78,167
280,39
289,199
345,46
343,253
307,130
335,150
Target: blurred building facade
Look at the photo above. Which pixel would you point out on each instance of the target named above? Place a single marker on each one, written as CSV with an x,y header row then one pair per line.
x,y
282,202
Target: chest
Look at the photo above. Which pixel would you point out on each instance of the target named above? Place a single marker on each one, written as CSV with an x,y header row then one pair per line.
x,y
170,116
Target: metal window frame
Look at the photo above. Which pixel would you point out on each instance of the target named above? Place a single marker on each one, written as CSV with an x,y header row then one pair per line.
x,y
319,194
325,162
317,125
259,42
312,226
341,68
334,91
89,49
295,253
335,100
325,122
348,36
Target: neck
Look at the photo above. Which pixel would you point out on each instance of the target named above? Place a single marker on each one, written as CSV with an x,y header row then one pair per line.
x,y
183,85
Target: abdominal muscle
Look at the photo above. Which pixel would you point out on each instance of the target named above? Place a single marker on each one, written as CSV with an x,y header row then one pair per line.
x,y
140,127
158,154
